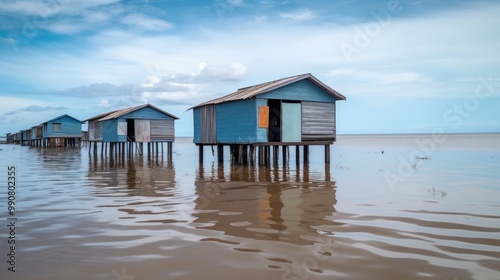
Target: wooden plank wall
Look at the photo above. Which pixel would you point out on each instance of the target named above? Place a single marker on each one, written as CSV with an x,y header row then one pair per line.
x,y
142,130
318,120
208,125
162,130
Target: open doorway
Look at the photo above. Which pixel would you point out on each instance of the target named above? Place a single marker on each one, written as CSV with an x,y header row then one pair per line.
x,y
130,130
274,131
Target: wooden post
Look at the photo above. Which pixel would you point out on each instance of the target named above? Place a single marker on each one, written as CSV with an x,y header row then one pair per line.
x,y
240,154
297,155
220,153
200,153
252,154
261,155
306,154
268,151
327,153
244,155
283,148
276,154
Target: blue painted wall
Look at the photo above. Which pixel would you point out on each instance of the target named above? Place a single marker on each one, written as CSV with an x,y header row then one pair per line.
x,y
69,128
109,130
145,113
261,132
197,125
302,90
236,121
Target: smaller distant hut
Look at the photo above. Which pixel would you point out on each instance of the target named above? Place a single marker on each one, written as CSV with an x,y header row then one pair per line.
x,y
62,131
36,137
25,137
18,137
10,138
140,124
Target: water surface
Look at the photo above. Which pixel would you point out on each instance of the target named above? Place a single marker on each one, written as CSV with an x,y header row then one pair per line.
x,y
387,207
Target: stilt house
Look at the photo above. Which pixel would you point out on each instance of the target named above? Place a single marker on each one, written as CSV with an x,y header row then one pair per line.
x,y
140,124
64,130
298,111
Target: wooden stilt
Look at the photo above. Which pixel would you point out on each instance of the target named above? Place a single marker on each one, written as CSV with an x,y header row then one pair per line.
x,y
327,153
244,155
261,155
220,153
283,150
306,154
240,154
252,155
297,155
200,153
276,154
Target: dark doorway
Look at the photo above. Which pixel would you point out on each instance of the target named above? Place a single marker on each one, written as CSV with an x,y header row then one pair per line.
x,y
274,132
130,130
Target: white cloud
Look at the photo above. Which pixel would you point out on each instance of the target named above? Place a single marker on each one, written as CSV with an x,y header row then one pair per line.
x,y
236,3
141,21
299,15
51,7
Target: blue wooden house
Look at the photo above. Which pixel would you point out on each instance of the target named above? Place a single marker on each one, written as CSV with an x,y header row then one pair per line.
x,y
293,111
36,137
140,124
64,130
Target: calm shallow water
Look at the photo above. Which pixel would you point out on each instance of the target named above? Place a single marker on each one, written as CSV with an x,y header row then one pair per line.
x,y
385,208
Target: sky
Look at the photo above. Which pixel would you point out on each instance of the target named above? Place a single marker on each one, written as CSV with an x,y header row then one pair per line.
x,y
407,66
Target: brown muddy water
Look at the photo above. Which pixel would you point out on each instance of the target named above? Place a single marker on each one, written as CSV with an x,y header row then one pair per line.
x,y
387,207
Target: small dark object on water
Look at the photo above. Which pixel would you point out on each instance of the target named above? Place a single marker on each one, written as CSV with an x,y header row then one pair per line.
x,y
382,151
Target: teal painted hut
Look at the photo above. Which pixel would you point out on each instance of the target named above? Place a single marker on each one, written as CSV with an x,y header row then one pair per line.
x,y
140,124
293,111
64,130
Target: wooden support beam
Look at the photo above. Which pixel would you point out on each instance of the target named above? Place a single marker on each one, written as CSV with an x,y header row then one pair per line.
x,y
283,150
327,153
240,154
220,153
200,153
276,154
260,155
306,154
297,155
252,155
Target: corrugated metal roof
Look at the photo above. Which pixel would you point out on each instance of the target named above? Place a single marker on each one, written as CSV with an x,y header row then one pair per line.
x,y
62,116
118,113
252,91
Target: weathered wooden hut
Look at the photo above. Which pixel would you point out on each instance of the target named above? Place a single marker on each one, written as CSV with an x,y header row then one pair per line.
x,y
64,131
25,136
10,137
18,137
140,124
293,111
36,137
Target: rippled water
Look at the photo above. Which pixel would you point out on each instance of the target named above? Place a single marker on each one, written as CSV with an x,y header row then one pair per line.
x,y
386,207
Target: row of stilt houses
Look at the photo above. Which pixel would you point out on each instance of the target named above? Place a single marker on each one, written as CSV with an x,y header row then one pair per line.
x,y
254,122
62,131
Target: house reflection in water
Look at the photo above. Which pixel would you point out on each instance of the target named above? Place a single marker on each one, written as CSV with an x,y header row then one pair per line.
x,y
132,176
268,203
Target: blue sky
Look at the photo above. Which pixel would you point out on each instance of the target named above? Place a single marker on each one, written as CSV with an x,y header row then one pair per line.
x,y
405,66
